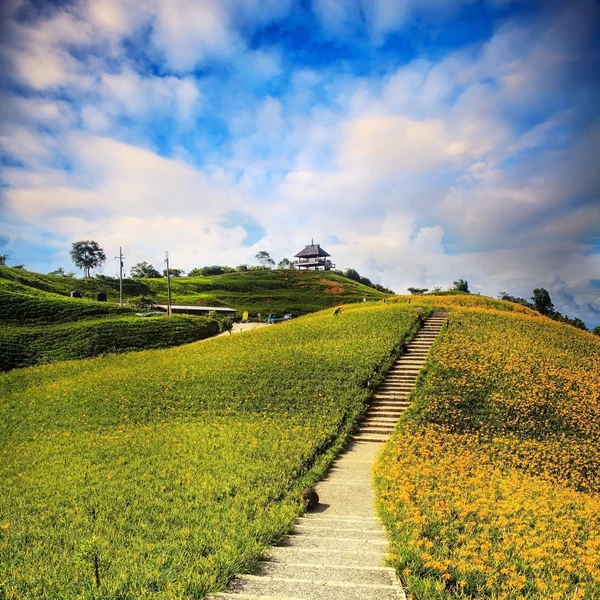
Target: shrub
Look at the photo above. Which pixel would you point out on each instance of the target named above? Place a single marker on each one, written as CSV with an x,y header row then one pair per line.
x,y
26,346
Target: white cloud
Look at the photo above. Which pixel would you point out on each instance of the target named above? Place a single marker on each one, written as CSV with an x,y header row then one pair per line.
x,y
190,31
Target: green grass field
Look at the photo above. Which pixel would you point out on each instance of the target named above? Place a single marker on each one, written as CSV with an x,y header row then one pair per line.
x,y
159,474
263,291
39,326
28,346
41,323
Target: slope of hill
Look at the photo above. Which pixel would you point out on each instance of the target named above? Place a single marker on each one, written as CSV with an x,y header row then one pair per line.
x,y
491,485
261,291
38,325
159,473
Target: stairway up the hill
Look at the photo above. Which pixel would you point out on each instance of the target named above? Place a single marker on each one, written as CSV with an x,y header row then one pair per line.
x,y
391,399
337,551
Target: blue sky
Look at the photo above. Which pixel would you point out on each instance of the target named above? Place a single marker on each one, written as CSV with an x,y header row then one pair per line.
x,y
418,141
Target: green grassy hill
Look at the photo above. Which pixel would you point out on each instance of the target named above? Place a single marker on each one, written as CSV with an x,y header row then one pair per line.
x,y
38,324
169,470
261,291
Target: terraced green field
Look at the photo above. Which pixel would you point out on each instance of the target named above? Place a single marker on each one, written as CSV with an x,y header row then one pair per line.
x,y
159,474
265,292
38,326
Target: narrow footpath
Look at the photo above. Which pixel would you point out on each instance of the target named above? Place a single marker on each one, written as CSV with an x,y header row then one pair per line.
x,y
337,550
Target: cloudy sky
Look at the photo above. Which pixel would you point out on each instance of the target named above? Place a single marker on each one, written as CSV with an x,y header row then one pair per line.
x,y
419,141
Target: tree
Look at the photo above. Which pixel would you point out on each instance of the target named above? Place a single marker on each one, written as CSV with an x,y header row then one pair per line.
x,y
461,285
596,330
577,322
143,269
3,259
208,271
417,291
352,274
242,268
542,302
60,272
174,272
142,302
264,258
383,289
87,255
285,263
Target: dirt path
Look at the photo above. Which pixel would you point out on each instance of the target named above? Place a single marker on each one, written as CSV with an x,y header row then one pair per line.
x,y
241,327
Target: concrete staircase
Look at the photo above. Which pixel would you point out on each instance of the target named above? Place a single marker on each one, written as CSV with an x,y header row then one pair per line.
x,y
337,551
391,399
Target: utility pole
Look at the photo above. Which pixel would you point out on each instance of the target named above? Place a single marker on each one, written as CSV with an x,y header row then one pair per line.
x,y
120,257
168,285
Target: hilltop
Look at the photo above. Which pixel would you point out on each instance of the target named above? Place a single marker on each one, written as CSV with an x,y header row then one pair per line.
x,y
40,324
257,291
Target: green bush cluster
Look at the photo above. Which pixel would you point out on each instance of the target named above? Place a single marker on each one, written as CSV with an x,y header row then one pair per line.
x,y
27,308
27,346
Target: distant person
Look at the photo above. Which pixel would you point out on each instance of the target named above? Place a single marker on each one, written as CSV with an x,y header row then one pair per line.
x,y
337,311
259,315
364,298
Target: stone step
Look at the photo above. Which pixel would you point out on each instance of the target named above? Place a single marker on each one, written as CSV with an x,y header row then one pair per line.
x,y
386,412
348,533
359,543
398,394
335,557
310,589
375,420
374,426
390,403
370,437
377,431
340,524
397,385
380,575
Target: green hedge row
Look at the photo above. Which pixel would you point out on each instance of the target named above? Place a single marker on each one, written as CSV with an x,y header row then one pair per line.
x,y
41,308
27,346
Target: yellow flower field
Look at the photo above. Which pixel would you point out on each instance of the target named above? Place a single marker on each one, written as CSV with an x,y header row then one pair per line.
x,y
491,485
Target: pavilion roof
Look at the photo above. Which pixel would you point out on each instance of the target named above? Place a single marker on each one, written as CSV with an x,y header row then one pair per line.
x,y
312,250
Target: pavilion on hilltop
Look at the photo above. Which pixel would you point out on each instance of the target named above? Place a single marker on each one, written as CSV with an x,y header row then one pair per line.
x,y
313,257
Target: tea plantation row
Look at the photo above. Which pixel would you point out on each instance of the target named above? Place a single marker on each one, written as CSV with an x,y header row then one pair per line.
x,y
27,346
